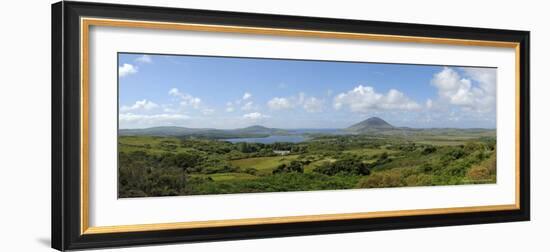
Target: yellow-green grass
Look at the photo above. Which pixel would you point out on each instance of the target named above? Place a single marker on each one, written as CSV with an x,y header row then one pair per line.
x,y
141,140
227,176
369,151
264,165
311,166
444,142
149,144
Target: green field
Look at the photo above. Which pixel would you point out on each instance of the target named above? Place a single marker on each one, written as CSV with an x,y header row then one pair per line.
x,y
163,166
264,165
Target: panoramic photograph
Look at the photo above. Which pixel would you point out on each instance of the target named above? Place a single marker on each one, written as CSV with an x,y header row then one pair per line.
x,y
202,125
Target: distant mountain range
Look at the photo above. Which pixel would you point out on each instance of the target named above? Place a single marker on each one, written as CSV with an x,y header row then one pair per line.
x,y
372,125
252,131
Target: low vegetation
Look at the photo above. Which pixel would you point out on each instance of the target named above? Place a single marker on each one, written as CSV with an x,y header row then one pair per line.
x,y
163,166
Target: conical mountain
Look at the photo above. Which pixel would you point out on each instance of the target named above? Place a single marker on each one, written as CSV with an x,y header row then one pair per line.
x,y
372,123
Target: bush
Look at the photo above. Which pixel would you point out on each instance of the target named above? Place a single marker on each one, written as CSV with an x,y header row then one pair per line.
x,y
381,179
486,170
478,173
452,154
349,166
419,180
251,171
294,166
428,150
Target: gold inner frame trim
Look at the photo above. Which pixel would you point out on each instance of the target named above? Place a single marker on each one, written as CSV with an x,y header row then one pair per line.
x,y
86,23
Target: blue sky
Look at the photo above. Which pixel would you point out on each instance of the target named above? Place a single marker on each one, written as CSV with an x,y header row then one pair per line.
x,y
225,92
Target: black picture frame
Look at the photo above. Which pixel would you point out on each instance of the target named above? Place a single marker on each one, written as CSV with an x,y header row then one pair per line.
x,y
66,114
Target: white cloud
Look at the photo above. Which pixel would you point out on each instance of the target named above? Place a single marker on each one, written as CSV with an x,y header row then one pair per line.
x,y
208,111
248,106
255,116
169,110
462,91
247,103
127,69
229,107
429,103
174,92
301,97
147,120
313,104
486,77
279,103
140,105
308,103
365,99
247,96
186,99
144,59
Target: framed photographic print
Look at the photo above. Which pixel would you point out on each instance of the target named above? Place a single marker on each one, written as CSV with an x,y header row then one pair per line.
x,y
180,125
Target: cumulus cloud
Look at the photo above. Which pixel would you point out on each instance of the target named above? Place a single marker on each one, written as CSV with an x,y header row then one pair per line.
x,y
247,96
144,59
313,104
248,106
147,120
207,111
255,116
168,110
308,103
365,99
140,105
127,69
229,107
185,99
486,77
429,103
279,103
245,103
475,91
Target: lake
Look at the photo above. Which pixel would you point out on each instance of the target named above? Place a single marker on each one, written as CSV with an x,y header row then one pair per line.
x,y
269,139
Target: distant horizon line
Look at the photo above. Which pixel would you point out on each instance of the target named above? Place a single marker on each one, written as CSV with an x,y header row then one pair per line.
x,y
395,127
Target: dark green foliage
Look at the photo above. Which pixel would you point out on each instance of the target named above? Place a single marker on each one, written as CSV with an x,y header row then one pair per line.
x,y
251,171
428,150
280,182
294,166
453,154
348,166
143,175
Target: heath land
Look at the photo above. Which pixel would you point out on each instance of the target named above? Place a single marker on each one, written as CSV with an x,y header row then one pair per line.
x,y
166,161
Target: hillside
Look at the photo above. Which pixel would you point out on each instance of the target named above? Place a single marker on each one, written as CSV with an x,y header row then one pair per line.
x,y
258,129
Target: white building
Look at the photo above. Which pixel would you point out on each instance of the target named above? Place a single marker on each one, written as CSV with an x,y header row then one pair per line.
x,y
281,152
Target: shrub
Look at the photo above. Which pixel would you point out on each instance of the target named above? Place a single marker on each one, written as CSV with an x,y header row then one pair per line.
x,y
474,146
452,154
381,179
419,180
294,166
478,173
251,171
349,166
429,150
